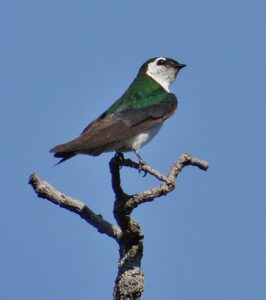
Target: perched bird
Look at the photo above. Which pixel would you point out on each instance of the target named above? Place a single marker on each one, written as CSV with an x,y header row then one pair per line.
x,y
134,119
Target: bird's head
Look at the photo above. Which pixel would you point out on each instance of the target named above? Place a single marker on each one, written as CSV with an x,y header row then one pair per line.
x,y
162,69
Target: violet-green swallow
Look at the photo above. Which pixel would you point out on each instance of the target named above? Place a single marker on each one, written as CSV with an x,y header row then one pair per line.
x,y
134,119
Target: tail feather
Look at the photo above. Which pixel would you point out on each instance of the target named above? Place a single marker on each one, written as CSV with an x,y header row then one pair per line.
x,y
64,151
64,156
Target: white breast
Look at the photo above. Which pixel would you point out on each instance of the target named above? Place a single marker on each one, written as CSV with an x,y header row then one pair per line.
x,y
143,138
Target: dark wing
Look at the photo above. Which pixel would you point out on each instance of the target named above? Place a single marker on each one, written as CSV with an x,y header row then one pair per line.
x,y
108,129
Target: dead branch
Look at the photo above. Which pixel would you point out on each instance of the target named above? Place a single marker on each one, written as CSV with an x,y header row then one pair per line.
x,y
46,191
129,283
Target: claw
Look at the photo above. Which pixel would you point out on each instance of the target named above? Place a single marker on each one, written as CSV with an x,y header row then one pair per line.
x,y
145,173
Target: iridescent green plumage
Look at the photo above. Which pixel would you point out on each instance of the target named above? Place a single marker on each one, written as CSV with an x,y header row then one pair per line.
x,y
134,119
143,91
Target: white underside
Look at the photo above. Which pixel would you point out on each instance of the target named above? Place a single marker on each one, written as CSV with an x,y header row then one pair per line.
x,y
136,142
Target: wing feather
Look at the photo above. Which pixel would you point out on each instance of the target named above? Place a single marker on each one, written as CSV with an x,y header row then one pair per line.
x,y
108,129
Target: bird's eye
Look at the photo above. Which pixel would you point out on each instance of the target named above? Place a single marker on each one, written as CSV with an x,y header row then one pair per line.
x,y
160,62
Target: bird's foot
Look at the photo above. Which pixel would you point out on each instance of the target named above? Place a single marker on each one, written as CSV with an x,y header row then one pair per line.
x,y
141,161
144,171
141,164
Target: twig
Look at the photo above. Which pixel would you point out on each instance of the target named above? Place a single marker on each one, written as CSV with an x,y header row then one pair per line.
x,y
169,180
46,191
130,279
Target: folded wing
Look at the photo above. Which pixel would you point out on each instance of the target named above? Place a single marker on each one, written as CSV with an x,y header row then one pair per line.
x,y
109,129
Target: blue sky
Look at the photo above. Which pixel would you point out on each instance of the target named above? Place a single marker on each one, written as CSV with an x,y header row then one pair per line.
x,y
62,64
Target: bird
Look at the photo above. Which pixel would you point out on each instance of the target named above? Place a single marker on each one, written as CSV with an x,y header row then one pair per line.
x,y
132,120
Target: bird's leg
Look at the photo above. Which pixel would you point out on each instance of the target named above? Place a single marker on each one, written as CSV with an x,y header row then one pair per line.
x,y
141,161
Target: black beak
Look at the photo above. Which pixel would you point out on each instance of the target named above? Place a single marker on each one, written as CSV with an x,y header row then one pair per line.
x,y
181,66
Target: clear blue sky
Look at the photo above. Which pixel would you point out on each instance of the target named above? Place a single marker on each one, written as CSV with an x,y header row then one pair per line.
x,y
62,63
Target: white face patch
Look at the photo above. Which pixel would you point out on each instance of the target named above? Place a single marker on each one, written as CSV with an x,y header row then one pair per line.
x,y
163,74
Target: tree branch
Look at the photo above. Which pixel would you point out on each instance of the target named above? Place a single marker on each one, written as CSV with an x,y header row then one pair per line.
x,y
46,191
169,180
130,279
129,283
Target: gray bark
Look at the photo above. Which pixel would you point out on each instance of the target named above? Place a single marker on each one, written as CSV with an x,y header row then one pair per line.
x,y
129,283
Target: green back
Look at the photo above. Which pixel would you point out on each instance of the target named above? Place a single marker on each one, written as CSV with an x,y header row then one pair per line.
x,y
143,91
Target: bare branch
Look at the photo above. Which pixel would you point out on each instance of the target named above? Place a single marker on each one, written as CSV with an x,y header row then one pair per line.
x,y
130,279
121,215
145,168
46,191
186,159
169,180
